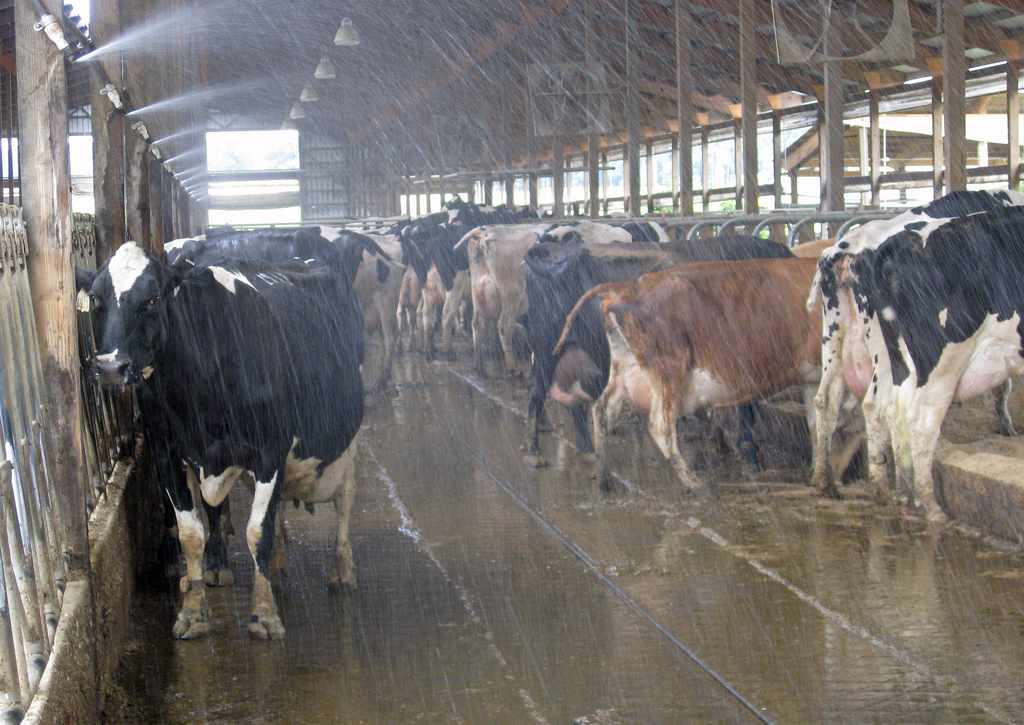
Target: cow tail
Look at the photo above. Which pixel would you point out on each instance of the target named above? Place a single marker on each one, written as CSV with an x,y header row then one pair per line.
x,y
595,292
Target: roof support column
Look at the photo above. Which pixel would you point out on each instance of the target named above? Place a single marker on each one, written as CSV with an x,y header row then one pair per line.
x,y
705,163
684,107
875,147
632,110
108,138
558,176
935,64
748,103
46,202
777,159
954,106
1012,48
833,182
738,157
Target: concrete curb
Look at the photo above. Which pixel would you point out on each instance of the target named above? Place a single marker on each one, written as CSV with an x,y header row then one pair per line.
x,y
91,630
982,485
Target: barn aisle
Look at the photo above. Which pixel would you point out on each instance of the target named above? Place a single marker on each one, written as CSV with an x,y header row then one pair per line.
x,y
491,592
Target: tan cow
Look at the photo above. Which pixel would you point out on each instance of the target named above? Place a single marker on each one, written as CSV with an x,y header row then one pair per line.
x,y
705,335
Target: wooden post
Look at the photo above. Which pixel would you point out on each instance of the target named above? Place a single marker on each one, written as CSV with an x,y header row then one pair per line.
x,y
632,109
156,204
875,151
558,176
777,158
748,103
935,64
593,140
833,180
650,176
684,107
107,139
705,165
737,148
46,204
954,97
1012,48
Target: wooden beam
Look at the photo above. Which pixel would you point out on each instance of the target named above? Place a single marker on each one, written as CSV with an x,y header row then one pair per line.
x,y
748,101
46,203
684,107
954,96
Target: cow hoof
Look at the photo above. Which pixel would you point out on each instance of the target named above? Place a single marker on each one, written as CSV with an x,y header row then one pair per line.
x,y
219,578
186,629
937,517
535,461
335,586
830,491
588,457
266,628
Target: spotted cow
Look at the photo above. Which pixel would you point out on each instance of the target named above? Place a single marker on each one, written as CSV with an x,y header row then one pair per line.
x,y
242,368
950,307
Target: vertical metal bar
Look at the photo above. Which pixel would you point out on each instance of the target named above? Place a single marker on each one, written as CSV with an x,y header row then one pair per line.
x,y
11,711
1013,118
748,103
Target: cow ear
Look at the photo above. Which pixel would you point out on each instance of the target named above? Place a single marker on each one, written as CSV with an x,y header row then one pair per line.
x,y
84,278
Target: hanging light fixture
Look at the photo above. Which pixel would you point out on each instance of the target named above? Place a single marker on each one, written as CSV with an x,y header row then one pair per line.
x,y
288,125
297,111
325,70
308,94
347,34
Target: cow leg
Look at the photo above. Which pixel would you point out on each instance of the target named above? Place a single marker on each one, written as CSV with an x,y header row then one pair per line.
x,y
879,436
508,331
748,441
921,411
534,413
662,426
449,312
604,413
1003,409
218,570
388,334
829,396
579,423
479,340
342,575
264,622
194,617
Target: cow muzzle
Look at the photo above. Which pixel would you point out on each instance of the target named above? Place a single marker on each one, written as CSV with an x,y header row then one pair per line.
x,y
113,370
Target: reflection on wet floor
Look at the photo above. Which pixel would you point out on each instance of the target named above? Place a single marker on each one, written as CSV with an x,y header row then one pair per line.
x,y
493,592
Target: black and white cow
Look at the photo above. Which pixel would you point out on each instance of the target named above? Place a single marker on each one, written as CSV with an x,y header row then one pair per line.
x,y
853,356
950,305
244,367
557,275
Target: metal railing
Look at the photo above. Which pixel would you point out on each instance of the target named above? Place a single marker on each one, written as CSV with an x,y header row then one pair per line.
x,y
33,553
31,546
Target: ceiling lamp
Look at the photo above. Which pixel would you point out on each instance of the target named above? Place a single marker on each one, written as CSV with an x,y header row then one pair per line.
x,y
347,34
308,94
297,111
288,125
325,70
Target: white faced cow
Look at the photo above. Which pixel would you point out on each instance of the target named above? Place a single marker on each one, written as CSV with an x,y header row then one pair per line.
x,y
241,367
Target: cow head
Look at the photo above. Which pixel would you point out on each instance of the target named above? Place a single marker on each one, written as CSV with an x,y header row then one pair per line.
x,y
127,298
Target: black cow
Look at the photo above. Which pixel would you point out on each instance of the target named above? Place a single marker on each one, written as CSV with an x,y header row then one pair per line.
x,y
950,305
558,274
241,368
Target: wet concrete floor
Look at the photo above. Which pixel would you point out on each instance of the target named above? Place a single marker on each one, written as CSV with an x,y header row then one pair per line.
x,y
493,592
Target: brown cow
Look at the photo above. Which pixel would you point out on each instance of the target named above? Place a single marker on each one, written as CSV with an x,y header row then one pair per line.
x,y
705,335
